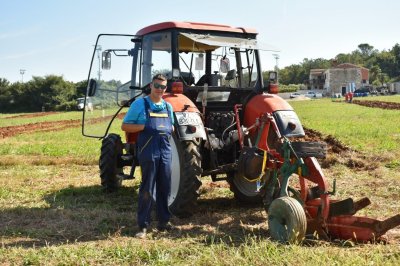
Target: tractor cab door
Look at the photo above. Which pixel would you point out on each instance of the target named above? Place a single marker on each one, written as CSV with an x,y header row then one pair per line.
x,y
112,81
122,68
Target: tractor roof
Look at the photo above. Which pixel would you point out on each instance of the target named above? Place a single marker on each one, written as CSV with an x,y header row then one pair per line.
x,y
194,26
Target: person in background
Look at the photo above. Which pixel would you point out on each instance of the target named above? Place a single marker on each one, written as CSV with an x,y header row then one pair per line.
x,y
152,117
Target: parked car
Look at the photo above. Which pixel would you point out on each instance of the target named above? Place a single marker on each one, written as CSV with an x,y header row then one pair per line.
x,y
313,94
382,90
80,104
295,95
362,92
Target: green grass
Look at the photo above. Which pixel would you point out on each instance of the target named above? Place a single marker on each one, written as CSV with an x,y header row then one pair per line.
x,y
366,129
53,210
54,215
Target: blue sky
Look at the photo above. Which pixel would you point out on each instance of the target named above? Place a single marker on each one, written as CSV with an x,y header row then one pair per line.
x,y
57,36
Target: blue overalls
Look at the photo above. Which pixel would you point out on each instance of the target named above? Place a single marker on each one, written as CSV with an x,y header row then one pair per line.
x,y
154,154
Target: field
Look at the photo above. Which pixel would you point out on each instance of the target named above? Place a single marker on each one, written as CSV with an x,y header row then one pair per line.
x,y
53,211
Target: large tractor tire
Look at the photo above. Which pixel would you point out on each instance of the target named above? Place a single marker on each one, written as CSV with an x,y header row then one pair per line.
x,y
244,191
111,151
185,178
287,220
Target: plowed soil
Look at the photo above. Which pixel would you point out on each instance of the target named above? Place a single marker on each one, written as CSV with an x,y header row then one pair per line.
x,y
31,115
334,145
378,104
340,153
10,131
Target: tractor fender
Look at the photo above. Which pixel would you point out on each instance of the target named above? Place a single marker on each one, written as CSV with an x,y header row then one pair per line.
x,y
286,119
261,104
188,122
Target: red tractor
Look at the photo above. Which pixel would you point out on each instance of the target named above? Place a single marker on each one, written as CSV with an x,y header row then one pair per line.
x,y
229,125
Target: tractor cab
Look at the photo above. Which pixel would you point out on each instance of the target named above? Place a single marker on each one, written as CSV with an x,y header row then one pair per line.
x,y
221,60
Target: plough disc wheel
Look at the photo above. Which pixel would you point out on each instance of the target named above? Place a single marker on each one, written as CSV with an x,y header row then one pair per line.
x,y
286,220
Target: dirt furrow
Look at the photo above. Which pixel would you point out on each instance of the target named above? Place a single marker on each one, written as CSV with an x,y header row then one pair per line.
x,y
378,104
31,115
10,131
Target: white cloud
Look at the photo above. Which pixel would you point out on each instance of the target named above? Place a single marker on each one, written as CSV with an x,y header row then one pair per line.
x,y
22,55
16,34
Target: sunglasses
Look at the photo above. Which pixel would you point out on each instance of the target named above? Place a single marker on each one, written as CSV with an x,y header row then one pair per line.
x,y
159,86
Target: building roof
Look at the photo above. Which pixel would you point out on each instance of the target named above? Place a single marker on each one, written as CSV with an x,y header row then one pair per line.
x,y
317,71
348,65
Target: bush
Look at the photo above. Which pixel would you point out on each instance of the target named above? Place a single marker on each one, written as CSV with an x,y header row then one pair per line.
x,y
289,88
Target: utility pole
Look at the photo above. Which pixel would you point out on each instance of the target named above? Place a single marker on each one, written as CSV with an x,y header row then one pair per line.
x,y
276,56
98,49
22,72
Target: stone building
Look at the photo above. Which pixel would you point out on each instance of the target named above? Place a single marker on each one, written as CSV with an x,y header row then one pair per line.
x,y
317,79
339,79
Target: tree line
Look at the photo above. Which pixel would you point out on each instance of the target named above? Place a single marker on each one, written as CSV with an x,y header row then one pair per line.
x,y
50,93
53,93
384,66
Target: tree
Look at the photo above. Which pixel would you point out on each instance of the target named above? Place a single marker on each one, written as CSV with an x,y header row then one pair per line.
x,y
80,88
5,94
395,51
366,49
4,83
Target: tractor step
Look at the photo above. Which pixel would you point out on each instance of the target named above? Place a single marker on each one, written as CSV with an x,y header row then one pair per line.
x,y
125,177
221,169
128,157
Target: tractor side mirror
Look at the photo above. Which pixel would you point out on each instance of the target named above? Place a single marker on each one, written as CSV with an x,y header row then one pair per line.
x,y
273,76
106,60
92,87
271,85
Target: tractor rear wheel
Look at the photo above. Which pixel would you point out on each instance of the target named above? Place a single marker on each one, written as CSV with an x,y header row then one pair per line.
x,y
244,191
185,178
111,151
287,220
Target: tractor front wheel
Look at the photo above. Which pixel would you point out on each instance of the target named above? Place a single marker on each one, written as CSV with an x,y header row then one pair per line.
x,y
111,151
185,177
286,220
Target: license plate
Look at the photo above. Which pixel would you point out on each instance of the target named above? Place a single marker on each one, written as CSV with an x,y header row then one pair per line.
x,y
188,119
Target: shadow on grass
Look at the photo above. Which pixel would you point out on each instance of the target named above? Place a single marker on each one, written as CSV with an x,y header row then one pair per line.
x,y
73,214
80,214
222,220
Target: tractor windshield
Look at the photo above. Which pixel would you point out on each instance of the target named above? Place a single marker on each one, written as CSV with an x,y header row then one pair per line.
x,y
224,62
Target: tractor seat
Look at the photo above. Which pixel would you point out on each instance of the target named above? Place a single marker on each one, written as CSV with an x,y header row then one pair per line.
x,y
211,79
231,75
187,78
